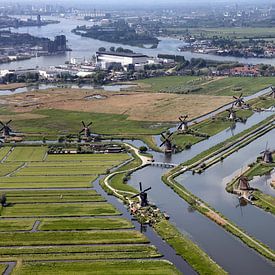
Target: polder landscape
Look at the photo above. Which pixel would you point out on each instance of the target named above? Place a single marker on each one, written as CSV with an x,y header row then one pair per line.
x,y
59,177
137,138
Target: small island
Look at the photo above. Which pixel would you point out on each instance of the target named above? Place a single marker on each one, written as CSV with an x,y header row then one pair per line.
x,y
118,32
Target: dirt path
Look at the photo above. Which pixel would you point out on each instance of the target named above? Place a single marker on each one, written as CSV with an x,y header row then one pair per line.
x,y
145,160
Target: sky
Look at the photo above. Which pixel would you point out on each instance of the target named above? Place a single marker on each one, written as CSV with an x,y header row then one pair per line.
x,y
112,4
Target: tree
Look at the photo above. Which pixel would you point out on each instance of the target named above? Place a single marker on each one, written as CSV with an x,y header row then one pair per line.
x,y
143,149
119,50
102,49
112,49
3,200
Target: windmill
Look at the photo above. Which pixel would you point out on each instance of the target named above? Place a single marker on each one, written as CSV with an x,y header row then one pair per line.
x,y
239,101
272,94
86,130
243,183
232,113
142,195
183,123
241,203
267,155
6,129
167,142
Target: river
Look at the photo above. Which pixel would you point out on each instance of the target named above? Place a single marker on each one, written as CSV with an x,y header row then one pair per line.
x,y
83,47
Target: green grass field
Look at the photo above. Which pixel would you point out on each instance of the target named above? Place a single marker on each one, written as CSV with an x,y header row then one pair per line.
x,y
27,154
2,268
6,169
62,225
69,122
83,237
47,182
234,33
99,268
76,252
13,225
59,209
227,86
84,224
4,151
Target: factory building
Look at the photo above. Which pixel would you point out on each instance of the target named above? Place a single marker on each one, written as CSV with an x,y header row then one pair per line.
x,y
107,59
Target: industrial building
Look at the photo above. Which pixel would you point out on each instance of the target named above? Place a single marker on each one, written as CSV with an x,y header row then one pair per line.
x,y
107,59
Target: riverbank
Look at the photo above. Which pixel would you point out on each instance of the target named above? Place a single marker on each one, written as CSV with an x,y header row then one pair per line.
x,y
184,247
203,208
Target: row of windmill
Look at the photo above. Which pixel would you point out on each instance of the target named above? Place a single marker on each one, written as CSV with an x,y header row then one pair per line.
x,y
183,127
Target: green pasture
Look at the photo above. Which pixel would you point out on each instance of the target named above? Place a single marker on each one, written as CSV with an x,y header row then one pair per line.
x,y
239,33
46,196
62,171
84,161
3,268
4,151
94,158
51,193
84,224
68,230
80,252
227,86
73,238
158,84
59,209
236,33
13,225
24,154
135,267
52,199
69,122
47,182
6,169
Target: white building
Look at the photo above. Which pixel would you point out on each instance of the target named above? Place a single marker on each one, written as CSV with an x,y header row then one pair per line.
x,y
125,59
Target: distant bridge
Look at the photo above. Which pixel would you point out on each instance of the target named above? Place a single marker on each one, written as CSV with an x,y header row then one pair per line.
x,y
163,164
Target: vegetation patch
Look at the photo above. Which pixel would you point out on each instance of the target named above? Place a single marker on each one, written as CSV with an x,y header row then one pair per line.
x,y
16,225
220,86
83,237
110,267
84,224
59,209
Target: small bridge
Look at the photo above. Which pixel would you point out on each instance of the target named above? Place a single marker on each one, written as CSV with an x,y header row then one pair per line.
x,y
163,164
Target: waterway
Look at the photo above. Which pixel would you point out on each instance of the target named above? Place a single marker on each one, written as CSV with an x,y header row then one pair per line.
x,y
263,183
83,47
165,249
224,248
